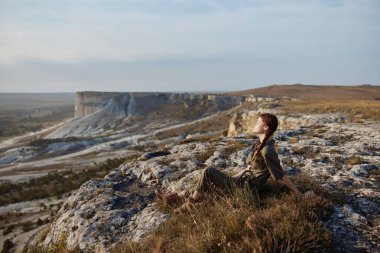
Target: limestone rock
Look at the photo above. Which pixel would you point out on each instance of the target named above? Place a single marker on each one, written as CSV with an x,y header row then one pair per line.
x,y
122,205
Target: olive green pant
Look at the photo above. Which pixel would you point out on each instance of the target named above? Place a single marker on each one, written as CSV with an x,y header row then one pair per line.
x,y
212,178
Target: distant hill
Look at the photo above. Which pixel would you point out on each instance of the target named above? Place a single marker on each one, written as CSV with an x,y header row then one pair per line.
x,y
35,100
316,92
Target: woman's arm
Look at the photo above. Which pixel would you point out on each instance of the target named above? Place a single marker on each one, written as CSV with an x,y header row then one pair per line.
x,y
286,180
275,169
241,172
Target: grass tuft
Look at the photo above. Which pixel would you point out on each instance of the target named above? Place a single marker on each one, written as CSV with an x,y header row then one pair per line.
x,y
274,221
354,160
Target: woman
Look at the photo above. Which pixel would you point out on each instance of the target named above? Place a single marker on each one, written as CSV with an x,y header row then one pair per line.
x,y
262,161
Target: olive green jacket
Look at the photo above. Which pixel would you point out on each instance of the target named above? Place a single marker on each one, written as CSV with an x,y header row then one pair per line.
x,y
266,163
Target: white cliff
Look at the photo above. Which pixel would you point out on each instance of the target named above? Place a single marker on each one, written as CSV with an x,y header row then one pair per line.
x,y
97,112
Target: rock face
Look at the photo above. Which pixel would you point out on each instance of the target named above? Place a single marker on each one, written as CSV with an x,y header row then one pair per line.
x,y
90,102
140,103
121,206
105,211
97,112
243,122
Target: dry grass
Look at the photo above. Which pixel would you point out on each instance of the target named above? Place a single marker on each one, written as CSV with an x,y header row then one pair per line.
x,y
132,157
335,151
289,161
356,110
274,222
355,160
306,151
293,140
59,246
202,157
375,174
235,146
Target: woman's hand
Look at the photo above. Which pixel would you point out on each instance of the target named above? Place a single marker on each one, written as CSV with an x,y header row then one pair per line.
x,y
248,169
241,172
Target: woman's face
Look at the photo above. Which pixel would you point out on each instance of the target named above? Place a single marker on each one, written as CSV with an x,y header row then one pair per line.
x,y
259,127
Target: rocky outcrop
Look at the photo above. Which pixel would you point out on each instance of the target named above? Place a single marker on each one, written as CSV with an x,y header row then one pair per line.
x,y
90,102
121,206
243,122
99,113
134,103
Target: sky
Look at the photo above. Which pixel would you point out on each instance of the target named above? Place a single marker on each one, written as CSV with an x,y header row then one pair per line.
x,y
184,45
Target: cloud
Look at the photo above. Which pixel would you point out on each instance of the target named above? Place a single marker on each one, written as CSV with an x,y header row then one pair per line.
x,y
204,36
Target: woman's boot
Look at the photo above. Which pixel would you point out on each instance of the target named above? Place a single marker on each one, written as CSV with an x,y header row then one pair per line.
x,y
168,198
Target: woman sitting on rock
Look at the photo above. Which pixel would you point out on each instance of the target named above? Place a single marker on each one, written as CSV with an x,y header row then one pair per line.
x,y
262,162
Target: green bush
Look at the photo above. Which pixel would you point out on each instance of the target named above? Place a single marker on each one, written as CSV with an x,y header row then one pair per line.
x,y
26,226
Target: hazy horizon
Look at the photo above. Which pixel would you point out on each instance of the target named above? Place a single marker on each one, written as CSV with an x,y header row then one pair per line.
x,y
174,91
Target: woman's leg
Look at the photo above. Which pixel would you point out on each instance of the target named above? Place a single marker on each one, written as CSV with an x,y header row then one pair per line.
x,y
213,176
173,197
209,176
196,195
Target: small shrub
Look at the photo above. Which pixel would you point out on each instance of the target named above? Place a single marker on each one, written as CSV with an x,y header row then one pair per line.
x,y
306,151
39,222
335,151
26,226
355,160
341,139
89,214
321,131
8,244
8,229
